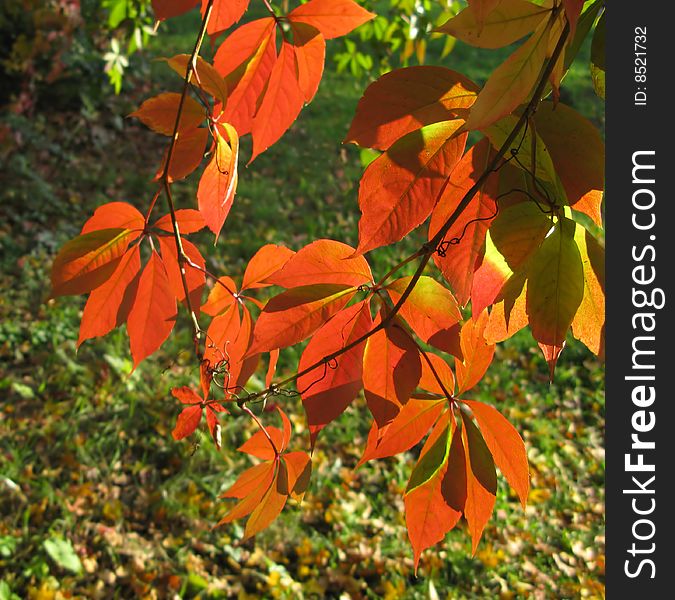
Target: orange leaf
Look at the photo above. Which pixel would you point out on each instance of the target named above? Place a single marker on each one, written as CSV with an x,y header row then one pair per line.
x,y
507,23
187,154
245,59
408,99
221,297
188,219
333,18
391,372
195,278
428,379
271,367
299,468
187,422
271,504
572,11
505,445
310,52
88,261
120,215
295,314
508,314
481,481
512,82
477,353
248,481
460,259
410,425
399,189
159,113
578,154
265,262
205,75
221,334
430,309
224,14
323,262
256,491
165,9
482,9
153,313
589,321
281,102
186,395
328,389
218,183
104,308
259,446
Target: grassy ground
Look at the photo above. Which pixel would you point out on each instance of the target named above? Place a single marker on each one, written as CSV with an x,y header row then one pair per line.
x,y
97,500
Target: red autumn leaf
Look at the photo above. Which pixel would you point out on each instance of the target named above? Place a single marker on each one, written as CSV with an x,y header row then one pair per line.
x,y
242,364
204,76
186,395
121,215
477,353
159,113
488,278
281,103
408,99
578,152
221,334
391,372
257,485
508,315
245,59
411,424
400,188
263,264
271,504
441,370
188,219
195,278
310,52
505,445
153,313
295,314
572,11
88,261
218,183
213,423
165,9
481,481
104,308
271,367
323,262
458,261
333,18
224,14
299,468
430,309
187,154
187,422
222,296
435,507
258,444
287,429
248,481
328,389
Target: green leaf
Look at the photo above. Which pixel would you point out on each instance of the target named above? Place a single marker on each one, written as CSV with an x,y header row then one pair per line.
x,y
431,461
61,551
598,58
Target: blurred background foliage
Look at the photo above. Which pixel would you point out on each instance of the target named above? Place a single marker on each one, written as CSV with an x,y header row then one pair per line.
x,y
96,499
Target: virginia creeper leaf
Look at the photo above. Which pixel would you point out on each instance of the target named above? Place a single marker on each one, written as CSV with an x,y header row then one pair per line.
x,y
505,445
195,278
188,219
295,314
165,9
218,183
477,353
102,312
511,83
271,504
221,297
310,52
153,313
87,261
400,188
408,99
328,389
188,152
429,378
507,23
333,18
458,261
187,422
323,262
267,261
120,215
204,76
159,113
224,14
